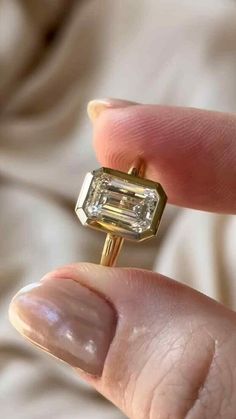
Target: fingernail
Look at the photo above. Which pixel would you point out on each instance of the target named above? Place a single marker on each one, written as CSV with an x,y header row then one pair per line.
x,y
67,320
97,106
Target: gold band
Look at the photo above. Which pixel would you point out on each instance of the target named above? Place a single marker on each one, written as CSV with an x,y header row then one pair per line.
x,y
111,250
113,244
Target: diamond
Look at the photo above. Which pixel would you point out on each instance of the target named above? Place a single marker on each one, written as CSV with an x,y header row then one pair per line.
x,y
120,203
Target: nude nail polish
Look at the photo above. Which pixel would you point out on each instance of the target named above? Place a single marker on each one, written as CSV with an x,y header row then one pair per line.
x,y
97,106
67,320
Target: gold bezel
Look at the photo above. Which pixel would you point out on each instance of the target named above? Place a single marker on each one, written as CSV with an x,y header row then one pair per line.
x,y
110,228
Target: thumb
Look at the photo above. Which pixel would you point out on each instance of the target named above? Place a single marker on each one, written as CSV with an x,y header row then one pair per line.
x,y
155,348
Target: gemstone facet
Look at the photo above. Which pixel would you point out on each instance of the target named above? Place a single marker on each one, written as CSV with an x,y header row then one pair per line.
x,y
121,204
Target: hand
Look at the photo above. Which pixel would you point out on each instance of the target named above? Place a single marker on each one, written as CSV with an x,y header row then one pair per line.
x,y
155,348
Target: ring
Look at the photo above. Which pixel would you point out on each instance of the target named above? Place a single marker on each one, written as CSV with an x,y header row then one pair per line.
x,y
124,205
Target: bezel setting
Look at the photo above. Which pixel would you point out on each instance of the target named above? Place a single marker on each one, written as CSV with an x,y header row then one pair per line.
x,y
136,216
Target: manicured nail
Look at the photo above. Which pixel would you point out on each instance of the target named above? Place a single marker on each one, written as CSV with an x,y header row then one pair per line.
x,y
67,320
97,106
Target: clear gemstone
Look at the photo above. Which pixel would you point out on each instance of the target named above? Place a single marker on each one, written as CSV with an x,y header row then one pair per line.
x,y
119,202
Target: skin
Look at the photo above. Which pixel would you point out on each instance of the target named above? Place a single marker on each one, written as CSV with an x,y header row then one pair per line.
x,y
173,351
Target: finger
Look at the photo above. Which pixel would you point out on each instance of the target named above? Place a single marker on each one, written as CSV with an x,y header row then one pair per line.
x,y
153,347
191,152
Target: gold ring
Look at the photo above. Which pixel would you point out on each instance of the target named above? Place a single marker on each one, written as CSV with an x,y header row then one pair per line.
x,y
124,205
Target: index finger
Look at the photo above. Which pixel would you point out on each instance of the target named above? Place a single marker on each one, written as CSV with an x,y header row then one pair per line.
x,y
191,152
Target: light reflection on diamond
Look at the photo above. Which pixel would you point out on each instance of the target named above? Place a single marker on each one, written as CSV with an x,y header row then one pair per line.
x,y
126,205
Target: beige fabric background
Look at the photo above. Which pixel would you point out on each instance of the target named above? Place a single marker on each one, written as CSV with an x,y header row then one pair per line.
x,y
54,57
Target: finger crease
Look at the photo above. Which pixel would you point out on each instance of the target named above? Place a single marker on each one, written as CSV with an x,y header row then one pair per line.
x,y
202,385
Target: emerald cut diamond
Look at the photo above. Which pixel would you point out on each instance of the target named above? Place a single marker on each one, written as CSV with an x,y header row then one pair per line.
x,y
121,204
